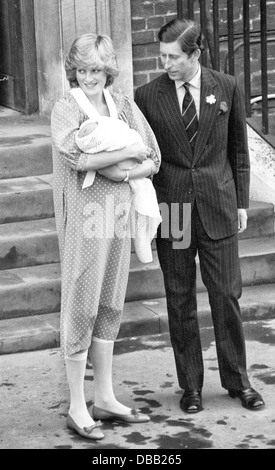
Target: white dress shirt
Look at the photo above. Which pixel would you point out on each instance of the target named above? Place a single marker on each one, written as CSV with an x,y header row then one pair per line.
x,y
195,90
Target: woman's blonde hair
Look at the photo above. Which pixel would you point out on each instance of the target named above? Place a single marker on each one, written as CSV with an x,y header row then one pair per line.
x,y
95,51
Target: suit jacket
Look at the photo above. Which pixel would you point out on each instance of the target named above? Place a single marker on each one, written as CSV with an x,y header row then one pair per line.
x,y
216,175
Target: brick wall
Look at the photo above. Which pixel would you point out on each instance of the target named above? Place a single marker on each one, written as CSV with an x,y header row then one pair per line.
x,y
147,18
149,15
255,27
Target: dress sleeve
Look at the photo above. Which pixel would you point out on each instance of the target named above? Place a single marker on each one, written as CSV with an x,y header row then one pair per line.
x,y
65,122
131,114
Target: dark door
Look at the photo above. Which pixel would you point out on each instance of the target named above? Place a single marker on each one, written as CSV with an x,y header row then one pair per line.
x,y
18,69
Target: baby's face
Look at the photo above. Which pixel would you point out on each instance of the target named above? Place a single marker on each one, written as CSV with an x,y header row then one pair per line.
x,y
88,129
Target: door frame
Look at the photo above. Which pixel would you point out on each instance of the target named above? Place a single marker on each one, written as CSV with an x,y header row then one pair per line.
x,y
23,82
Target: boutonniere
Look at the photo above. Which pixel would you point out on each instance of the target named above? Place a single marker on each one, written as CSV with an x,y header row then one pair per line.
x,y
211,99
223,107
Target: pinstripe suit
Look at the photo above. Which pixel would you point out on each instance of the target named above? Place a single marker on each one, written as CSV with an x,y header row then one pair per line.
x,y
215,180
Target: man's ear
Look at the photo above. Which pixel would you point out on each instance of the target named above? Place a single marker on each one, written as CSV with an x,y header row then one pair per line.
x,y
196,55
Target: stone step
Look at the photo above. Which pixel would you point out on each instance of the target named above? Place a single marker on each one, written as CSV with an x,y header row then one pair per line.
x,y
31,198
140,318
31,242
25,147
24,199
29,159
29,291
35,242
36,290
257,258
28,244
260,220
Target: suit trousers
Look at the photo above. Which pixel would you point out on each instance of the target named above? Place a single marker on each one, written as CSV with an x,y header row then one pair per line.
x,y
220,271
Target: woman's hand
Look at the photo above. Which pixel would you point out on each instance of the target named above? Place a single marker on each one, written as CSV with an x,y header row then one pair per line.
x,y
112,172
70,158
138,151
96,162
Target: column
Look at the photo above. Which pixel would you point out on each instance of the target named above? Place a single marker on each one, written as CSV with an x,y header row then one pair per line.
x,y
121,33
59,22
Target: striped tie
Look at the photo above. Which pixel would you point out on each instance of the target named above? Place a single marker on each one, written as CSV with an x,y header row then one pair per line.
x,y
189,115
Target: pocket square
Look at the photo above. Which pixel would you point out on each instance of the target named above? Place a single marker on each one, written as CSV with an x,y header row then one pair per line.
x,y
223,108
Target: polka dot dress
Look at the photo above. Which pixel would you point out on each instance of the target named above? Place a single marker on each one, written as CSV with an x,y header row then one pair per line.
x,y
93,234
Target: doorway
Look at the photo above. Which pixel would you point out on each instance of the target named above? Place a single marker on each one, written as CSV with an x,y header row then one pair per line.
x,y
18,64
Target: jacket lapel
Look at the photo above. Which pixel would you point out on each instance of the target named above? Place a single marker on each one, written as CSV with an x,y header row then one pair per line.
x,y
208,111
167,104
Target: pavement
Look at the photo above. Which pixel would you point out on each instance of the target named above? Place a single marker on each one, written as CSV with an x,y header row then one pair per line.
x,y
34,400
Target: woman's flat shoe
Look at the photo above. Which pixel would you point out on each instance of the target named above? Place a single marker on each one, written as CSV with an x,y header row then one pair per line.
x,y
250,399
91,432
133,417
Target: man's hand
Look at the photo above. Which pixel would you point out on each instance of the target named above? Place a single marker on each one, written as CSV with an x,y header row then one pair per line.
x,y
242,220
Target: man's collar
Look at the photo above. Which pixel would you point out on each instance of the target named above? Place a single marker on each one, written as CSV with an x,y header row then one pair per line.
x,y
195,82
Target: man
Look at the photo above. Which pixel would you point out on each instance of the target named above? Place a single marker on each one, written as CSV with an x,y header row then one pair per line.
x,y
201,131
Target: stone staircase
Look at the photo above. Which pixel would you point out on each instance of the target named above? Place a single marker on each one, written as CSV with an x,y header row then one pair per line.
x,y
29,256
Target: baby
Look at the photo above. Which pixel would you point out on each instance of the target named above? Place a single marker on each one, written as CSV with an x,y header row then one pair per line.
x,y
108,134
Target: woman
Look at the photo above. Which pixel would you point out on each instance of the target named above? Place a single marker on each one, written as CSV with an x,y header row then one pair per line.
x,y
92,226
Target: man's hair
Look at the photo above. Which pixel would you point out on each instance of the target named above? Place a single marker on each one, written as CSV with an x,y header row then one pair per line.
x,y
186,32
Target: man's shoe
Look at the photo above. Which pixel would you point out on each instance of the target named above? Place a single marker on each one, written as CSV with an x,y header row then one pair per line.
x,y
191,401
250,399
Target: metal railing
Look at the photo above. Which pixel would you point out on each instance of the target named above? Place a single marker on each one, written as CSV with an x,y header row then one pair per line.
x,y
210,25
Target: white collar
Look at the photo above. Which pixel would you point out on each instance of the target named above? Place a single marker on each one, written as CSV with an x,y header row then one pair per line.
x,y
195,81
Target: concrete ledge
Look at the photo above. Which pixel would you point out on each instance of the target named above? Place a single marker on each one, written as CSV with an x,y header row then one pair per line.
x,y
28,244
262,158
146,317
260,220
35,290
29,159
27,198
29,334
34,242
25,146
29,291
